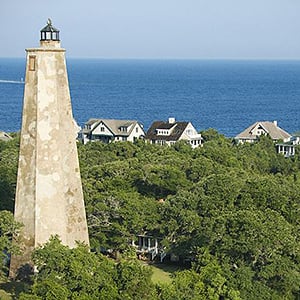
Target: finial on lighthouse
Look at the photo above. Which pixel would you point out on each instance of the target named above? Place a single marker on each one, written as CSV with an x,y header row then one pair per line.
x,y
49,33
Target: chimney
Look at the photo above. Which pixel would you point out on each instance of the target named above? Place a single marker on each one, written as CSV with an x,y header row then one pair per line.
x,y
171,120
275,123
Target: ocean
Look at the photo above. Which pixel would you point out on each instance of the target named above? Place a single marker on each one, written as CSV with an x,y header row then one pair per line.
x,y
227,95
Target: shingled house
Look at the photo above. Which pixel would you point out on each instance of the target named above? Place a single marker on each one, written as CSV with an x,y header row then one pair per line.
x,y
109,130
170,132
257,129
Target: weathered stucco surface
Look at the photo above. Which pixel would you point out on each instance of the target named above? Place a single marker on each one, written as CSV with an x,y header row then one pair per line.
x,y
49,198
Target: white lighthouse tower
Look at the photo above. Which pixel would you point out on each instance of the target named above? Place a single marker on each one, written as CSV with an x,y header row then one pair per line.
x,y
49,198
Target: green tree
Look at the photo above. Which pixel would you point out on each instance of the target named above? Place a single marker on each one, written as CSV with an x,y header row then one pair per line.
x,y
9,152
8,228
134,280
233,210
209,283
259,246
65,273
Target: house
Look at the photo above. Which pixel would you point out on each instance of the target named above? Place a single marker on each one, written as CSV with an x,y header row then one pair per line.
x,y
109,130
168,133
149,247
288,148
4,136
257,129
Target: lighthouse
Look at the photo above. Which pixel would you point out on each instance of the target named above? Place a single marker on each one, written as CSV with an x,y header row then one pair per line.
x,y
49,199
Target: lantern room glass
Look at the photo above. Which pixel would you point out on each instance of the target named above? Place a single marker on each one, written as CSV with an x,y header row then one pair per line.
x,y
49,33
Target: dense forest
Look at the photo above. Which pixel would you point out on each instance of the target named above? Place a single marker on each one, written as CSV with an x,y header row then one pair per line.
x,y
230,212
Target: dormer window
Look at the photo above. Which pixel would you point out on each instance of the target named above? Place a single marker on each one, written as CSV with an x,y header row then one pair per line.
x,y
123,129
163,131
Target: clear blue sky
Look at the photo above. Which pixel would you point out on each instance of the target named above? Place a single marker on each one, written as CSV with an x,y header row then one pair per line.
x,y
214,29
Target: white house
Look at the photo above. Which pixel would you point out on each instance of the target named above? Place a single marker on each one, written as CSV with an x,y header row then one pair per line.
x,y
150,247
5,136
170,132
109,130
289,148
287,145
257,129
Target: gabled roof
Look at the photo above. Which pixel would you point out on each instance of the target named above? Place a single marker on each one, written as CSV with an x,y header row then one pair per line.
x,y
113,125
92,121
270,128
176,132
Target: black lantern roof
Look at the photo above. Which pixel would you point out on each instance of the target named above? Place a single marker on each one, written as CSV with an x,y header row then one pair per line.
x,y
49,33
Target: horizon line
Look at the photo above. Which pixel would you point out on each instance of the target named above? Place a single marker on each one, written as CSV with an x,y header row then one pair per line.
x,y
172,58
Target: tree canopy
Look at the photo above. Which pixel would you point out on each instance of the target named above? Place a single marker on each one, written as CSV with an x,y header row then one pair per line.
x,y
231,210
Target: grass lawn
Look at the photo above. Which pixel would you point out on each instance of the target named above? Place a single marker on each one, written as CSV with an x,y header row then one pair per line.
x,y
162,272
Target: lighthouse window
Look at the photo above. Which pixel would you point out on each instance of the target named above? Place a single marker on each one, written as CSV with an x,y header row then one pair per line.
x,y
55,36
48,35
31,63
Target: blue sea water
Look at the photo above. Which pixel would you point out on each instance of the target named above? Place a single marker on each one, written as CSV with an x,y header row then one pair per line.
x,y
222,94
